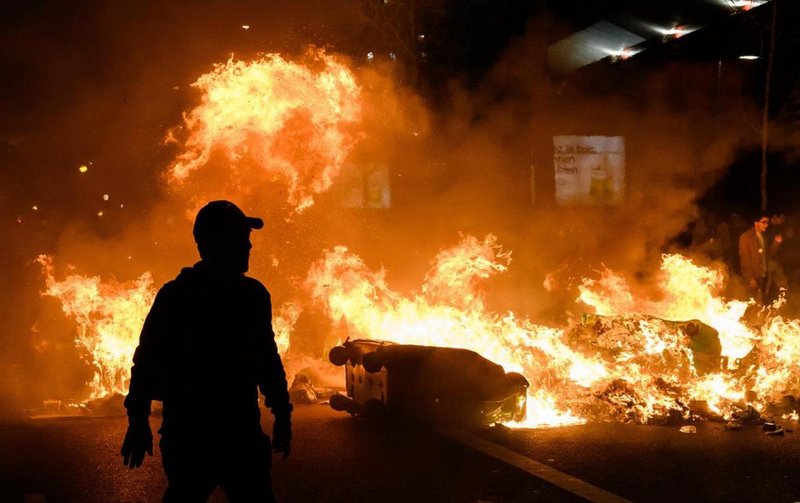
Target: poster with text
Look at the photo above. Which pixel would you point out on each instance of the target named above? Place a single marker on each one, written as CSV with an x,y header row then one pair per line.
x,y
589,169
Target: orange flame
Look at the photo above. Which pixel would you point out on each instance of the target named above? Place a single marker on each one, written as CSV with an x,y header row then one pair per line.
x,y
109,317
689,292
283,323
289,121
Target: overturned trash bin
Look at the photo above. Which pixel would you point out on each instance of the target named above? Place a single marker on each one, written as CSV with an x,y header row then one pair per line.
x,y
450,386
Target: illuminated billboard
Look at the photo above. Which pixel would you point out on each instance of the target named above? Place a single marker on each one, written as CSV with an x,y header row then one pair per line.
x,y
589,169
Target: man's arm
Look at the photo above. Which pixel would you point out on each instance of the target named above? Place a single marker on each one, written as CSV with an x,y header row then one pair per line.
x,y
272,377
143,386
145,372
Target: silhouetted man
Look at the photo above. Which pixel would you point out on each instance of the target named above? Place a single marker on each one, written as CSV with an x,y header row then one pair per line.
x,y
206,348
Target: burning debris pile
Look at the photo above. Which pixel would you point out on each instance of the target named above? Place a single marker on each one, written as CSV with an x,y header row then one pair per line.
x,y
633,367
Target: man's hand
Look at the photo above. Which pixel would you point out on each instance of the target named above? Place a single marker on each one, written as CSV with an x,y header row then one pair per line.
x,y
138,440
282,434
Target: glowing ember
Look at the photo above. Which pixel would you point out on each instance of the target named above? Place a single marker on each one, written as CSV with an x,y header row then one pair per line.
x,y
273,119
109,317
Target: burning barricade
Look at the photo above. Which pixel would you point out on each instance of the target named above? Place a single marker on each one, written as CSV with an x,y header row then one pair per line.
x,y
612,365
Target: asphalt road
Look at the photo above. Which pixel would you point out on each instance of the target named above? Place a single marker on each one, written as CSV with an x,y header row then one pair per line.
x,y
659,463
334,458
338,458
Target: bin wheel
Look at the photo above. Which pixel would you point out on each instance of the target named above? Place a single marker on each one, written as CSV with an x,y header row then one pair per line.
x,y
338,355
342,403
372,362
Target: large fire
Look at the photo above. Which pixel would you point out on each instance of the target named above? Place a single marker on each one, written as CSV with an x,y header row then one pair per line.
x,y
638,367
109,317
273,119
633,359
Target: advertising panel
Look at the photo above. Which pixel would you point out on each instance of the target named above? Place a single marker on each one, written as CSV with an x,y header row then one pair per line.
x,y
589,169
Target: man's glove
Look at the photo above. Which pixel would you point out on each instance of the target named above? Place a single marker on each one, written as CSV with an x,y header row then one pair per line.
x,y
282,434
138,440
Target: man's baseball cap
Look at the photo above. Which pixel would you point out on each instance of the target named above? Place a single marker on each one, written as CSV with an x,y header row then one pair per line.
x,y
220,216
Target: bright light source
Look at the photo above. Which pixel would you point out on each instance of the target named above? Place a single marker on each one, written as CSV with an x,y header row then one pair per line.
x,y
370,55
621,54
245,26
83,169
742,4
748,57
624,54
676,31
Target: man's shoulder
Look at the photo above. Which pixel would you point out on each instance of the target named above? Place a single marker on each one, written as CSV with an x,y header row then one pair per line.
x,y
255,286
178,285
184,283
169,293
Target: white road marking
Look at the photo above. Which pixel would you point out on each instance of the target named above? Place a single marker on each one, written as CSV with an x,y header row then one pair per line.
x,y
564,481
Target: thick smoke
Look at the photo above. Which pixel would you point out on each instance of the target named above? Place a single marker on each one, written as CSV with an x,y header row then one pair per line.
x,y
101,86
